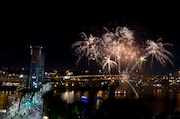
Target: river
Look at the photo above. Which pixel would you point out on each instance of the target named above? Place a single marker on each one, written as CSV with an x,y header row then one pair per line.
x,y
155,99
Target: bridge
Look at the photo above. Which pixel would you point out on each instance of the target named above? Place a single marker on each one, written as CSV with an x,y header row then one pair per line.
x,y
31,100
75,77
35,85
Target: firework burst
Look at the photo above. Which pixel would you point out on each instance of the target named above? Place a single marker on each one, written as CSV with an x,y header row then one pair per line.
x,y
119,50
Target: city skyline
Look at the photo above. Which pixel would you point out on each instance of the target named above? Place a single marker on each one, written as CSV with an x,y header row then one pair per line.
x,y
56,29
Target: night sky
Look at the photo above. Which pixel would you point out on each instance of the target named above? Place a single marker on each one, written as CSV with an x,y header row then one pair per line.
x,y
55,26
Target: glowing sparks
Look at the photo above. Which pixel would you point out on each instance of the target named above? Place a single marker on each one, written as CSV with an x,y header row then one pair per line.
x,y
107,62
157,51
119,50
120,46
88,48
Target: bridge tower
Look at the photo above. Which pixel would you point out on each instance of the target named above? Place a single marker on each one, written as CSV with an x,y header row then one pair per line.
x,y
36,76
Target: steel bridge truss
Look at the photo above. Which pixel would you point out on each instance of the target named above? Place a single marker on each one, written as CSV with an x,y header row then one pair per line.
x,y
36,76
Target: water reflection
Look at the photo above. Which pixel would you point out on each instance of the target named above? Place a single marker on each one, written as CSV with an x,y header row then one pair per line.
x,y
178,102
68,96
160,100
93,97
7,97
154,99
3,100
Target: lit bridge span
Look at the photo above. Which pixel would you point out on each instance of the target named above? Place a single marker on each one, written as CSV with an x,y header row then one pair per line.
x,y
82,76
91,77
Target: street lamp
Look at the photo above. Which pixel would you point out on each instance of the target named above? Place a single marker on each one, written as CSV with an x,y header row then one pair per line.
x,y
45,117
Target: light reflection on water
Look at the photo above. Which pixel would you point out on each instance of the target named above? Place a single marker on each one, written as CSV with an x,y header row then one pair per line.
x,y
71,96
7,97
161,100
3,100
155,99
68,96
